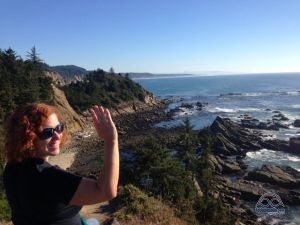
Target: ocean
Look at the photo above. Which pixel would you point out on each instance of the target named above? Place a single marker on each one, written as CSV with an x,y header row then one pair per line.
x,y
257,95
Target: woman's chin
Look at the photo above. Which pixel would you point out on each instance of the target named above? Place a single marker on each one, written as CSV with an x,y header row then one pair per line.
x,y
53,151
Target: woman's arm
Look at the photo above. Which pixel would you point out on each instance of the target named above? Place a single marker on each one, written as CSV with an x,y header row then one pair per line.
x,y
104,188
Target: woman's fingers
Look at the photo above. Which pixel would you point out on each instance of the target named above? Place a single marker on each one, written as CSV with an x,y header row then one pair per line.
x,y
101,114
108,115
103,123
94,116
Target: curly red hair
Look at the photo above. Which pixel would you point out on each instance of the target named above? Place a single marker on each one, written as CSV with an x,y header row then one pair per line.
x,y
22,129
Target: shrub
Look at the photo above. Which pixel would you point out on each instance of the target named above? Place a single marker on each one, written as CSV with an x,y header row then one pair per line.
x,y
136,207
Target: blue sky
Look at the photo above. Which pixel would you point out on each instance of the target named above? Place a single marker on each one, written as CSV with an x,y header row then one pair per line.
x,y
158,36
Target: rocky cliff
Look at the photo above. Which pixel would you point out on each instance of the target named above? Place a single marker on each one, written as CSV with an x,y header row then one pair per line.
x,y
59,79
136,106
55,76
73,120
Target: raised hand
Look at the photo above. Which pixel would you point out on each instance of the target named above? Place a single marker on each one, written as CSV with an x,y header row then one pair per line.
x,y
103,123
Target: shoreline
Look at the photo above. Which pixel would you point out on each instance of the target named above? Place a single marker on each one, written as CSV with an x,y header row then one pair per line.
x,y
134,127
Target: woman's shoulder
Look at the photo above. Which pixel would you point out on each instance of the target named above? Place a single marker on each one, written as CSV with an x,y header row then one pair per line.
x,y
29,165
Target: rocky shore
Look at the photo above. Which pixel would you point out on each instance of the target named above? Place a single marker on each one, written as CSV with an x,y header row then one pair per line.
x,y
237,186
234,139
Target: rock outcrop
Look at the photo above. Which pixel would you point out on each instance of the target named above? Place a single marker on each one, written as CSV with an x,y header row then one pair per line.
x,y
249,190
150,102
224,166
62,79
283,177
290,146
55,76
233,139
276,123
297,123
73,121
186,106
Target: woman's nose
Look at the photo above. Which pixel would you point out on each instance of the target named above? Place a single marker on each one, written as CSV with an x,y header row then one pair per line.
x,y
56,135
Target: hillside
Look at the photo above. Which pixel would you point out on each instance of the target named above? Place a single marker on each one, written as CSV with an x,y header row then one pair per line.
x,y
69,71
31,80
108,89
64,74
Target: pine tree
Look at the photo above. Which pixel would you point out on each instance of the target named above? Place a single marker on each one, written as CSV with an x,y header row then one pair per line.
x,y
187,148
33,56
111,71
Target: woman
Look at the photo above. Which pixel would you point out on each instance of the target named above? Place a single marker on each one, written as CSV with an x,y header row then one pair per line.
x,y
40,193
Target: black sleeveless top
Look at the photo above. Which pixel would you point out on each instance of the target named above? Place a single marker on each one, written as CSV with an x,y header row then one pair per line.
x,y
39,193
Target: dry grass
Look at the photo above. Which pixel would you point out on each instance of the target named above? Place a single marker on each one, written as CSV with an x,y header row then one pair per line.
x,y
138,208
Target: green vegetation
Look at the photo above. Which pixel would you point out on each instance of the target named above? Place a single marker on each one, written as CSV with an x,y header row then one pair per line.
x,y
136,201
171,175
107,89
210,210
136,207
186,148
155,170
22,81
4,207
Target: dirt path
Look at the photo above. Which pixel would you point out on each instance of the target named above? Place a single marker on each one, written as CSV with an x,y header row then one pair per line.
x,y
99,211
63,160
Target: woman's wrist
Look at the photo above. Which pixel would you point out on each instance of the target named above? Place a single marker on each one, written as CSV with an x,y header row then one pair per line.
x,y
111,141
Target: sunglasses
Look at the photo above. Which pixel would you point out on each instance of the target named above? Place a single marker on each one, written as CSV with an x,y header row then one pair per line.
x,y
49,132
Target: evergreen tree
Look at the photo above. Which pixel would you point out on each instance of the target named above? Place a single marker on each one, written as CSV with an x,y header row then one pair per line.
x,y
169,179
33,56
111,71
21,82
205,172
186,151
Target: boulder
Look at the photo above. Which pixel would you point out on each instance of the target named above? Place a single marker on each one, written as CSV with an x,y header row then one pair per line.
x,y
247,190
279,116
280,176
187,105
294,145
297,123
224,166
199,106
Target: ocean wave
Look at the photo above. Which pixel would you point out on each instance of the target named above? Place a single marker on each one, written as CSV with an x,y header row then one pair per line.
x,y
220,109
230,110
249,109
254,94
296,106
293,92
266,156
261,154
290,116
293,158
185,112
287,134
